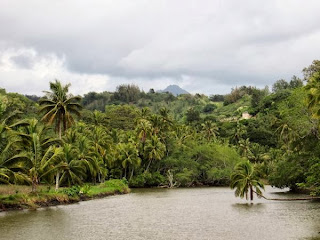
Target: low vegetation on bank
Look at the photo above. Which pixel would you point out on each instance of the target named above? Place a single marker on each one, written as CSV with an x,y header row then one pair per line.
x,y
47,196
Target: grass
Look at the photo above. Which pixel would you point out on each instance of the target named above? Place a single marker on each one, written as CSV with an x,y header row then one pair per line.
x,y
21,197
13,189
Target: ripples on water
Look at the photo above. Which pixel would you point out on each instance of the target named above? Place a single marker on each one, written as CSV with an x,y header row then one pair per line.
x,y
189,213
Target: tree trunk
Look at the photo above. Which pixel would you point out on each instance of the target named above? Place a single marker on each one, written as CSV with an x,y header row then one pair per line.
x,y
148,166
60,130
251,193
125,173
57,180
287,199
58,173
34,184
131,173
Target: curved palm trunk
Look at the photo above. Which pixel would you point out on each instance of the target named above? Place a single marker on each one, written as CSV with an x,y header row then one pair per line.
x,y
148,165
287,199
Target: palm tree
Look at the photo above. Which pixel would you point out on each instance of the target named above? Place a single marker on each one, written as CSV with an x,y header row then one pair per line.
x,y
244,147
244,179
143,129
313,97
38,151
58,107
128,154
210,130
73,169
154,150
11,170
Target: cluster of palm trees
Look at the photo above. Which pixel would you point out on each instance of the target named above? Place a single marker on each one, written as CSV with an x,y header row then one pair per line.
x,y
56,148
30,151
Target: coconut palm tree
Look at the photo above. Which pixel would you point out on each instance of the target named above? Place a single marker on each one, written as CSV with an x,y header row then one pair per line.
x,y
129,157
59,107
38,151
154,150
244,180
143,129
313,96
73,170
210,130
11,170
244,148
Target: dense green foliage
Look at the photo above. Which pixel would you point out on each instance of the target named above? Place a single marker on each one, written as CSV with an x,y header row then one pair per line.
x,y
154,139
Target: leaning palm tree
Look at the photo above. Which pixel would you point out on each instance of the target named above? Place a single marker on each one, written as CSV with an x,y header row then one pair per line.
x,y
59,107
154,150
244,180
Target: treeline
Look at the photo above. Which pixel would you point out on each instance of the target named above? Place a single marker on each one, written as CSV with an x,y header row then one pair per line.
x,y
154,139
46,144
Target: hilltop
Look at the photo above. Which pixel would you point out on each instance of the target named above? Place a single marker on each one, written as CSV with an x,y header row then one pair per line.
x,y
175,90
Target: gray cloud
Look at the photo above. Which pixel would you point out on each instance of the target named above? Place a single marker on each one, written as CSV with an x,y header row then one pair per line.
x,y
205,46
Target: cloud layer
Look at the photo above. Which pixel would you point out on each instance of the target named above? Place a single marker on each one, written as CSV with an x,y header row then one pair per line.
x,y
203,46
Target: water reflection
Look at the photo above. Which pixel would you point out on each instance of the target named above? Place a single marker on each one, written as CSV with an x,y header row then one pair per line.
x,y
194,213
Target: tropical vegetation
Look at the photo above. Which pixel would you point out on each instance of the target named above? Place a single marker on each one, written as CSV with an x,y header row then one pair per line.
x,y
158,139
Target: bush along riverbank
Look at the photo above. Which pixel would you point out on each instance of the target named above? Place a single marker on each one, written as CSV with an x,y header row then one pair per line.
x,y
50,197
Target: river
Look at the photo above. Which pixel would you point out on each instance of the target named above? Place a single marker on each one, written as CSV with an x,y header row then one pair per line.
x,y
184,213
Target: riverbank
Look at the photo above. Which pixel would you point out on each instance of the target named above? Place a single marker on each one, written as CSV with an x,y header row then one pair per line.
x,y
45,197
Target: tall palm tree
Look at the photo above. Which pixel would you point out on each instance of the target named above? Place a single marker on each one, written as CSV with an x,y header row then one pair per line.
x,y
59,107
244,180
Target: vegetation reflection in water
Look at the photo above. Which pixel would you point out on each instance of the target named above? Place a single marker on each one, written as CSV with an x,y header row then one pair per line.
x,y
184,213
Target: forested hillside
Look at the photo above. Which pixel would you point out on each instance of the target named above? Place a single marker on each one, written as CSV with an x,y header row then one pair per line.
x,y
158,139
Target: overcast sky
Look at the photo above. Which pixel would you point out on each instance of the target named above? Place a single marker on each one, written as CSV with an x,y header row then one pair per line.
x,y
203,46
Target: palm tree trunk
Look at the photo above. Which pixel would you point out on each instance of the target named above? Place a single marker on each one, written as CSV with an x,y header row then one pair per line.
x,y
251,193
60,129
57,180
34,184
58,173
131,173
148,165
125,173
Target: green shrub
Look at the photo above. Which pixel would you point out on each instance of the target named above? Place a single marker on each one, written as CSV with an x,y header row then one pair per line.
x,y
72,192
147,179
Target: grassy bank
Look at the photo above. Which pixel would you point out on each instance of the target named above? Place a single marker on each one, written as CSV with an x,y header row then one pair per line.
x,y
20,197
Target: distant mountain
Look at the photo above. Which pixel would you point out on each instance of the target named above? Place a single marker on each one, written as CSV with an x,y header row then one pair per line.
x,y
174,89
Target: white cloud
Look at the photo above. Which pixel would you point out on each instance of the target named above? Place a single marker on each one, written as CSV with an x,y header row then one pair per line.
x,y
204,46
